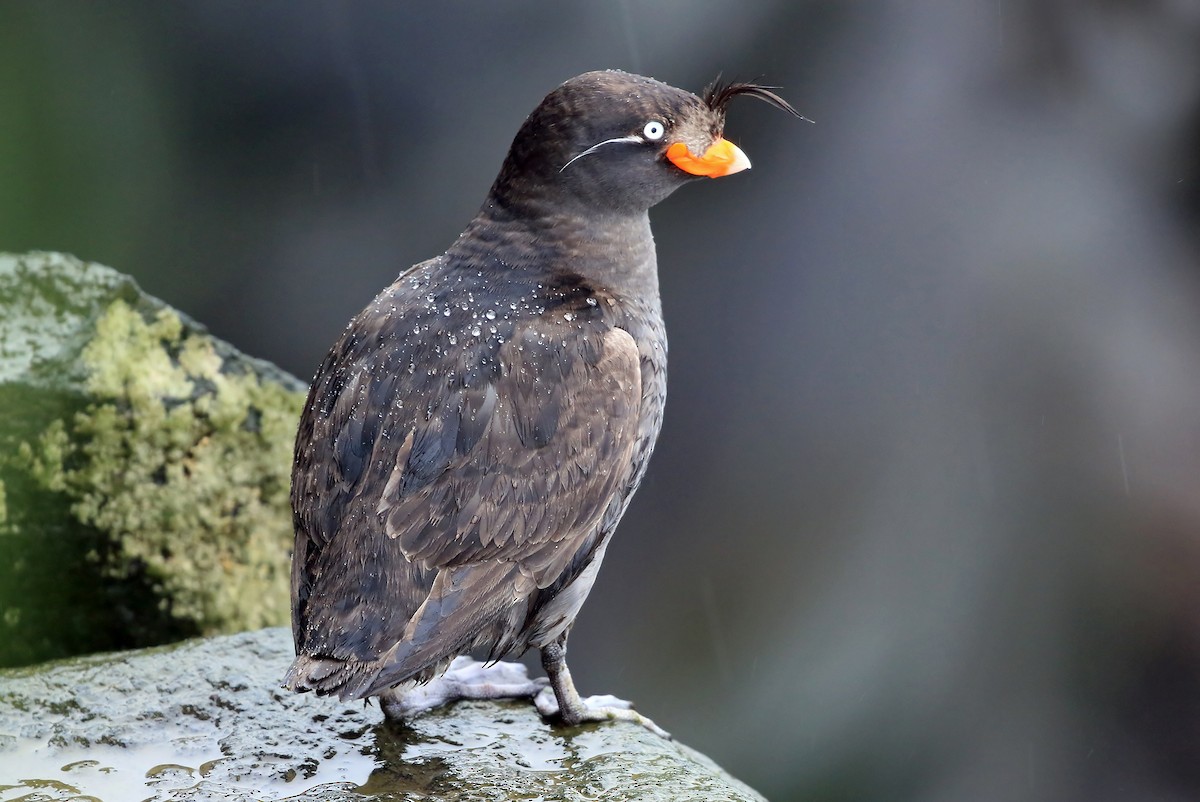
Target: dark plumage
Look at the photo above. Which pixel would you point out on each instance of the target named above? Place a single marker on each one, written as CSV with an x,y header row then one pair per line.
x,y
472,439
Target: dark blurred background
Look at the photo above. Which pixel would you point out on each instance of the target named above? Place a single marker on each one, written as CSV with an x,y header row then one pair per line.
x,y
924,520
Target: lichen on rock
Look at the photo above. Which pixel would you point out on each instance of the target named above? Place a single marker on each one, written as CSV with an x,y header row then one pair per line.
x,y
171,456
183,465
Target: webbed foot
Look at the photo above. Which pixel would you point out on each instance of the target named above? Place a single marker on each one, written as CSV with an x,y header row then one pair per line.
x,y
594,708
465,679
562,699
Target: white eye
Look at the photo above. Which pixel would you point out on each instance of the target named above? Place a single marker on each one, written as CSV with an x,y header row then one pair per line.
x,y
654,130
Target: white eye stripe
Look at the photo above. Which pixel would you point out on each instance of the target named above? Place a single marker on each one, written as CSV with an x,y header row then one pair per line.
x,y
654,130
598,145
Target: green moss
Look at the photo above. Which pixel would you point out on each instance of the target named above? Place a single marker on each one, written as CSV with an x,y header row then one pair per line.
x,y
181,460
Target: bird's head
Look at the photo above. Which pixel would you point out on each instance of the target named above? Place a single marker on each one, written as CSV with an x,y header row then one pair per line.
x,y
612,141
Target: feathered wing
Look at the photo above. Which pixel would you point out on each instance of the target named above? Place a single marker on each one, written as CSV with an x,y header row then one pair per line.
x,y
471,490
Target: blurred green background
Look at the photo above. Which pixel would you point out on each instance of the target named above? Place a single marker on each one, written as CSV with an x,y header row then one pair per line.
x,y
924,521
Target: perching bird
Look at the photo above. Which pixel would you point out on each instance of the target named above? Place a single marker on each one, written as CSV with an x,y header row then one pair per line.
x,y
472,439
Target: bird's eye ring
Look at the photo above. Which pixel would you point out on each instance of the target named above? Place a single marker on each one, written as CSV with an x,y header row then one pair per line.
x,y
654,130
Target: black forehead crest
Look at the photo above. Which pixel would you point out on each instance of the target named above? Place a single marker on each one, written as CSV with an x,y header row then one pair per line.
x,y
719,93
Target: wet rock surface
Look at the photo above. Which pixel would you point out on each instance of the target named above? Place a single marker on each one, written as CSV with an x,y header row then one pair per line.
x,y
205,720
144,469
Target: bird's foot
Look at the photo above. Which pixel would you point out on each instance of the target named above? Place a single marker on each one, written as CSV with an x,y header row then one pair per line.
x,y
465,679
594,708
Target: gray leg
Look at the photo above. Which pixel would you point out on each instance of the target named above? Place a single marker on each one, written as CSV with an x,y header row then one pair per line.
x,y
562,699
465,679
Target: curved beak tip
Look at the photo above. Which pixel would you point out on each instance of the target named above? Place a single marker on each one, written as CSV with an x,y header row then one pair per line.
x,y
740,161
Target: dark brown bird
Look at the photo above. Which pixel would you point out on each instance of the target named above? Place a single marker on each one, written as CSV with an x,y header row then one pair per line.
x,y
472,439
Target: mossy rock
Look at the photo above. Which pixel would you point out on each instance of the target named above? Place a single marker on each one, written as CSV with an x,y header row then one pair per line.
x,y
144,469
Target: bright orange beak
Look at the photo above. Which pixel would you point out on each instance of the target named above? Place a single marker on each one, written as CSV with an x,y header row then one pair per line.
x,y
722,158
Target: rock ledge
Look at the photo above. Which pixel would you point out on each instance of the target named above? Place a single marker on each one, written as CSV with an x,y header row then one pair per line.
x,y
205,720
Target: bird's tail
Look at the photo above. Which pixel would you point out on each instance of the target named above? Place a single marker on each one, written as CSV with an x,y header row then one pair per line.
x,y
326,676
